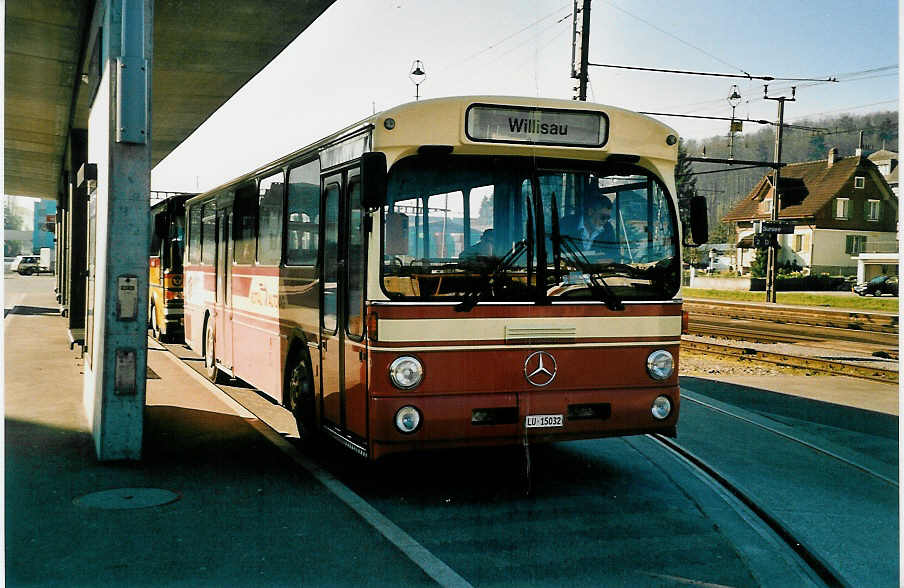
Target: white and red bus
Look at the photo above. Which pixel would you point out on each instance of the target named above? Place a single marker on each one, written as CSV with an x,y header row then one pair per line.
x,y
432,276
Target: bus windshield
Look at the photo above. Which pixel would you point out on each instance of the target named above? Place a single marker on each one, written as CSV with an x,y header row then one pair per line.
x,y
517,229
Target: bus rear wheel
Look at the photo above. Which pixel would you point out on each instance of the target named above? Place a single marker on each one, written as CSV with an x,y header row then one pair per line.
x,y
210,362
300,395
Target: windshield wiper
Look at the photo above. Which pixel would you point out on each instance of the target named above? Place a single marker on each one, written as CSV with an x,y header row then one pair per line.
x,y
597,285
472,297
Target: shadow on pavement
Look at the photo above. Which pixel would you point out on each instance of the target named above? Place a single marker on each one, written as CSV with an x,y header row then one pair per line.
x,y
815,411
245,515
32,310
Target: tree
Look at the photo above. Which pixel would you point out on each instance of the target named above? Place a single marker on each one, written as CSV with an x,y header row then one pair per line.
x,y
722,233
818,148
758,265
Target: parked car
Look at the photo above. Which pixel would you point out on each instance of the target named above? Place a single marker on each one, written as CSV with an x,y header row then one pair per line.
x,y
26,264
878,286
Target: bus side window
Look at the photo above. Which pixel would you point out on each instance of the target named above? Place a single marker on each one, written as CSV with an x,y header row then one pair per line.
x,y
194,234
330,256
357,265
303,214
245,224
155,236
209,234
269,247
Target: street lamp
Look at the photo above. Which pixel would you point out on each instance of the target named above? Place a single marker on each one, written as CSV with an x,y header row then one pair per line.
x,y
734,98
417,75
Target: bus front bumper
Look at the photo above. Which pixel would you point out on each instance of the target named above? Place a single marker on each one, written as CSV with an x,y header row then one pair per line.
x,y
469,420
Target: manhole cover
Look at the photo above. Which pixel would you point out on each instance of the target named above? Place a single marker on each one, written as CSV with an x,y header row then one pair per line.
x,y
126,498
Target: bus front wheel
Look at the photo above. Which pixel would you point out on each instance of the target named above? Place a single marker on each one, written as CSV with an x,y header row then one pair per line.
x,y
300,395
210,362
155,325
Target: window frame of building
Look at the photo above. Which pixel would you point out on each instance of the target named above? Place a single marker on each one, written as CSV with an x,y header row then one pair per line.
x,y
872,210
859,182
854,244
845,205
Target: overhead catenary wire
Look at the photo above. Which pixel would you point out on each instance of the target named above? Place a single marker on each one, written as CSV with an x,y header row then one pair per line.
x,y
852,76
750,120
495,44
677,38
745,75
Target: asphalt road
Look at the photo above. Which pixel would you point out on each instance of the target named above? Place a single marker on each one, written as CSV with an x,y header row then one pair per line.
x,y
16,288
624,512
618,512
848,515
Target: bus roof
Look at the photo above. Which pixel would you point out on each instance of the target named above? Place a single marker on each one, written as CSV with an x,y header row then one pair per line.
x,y
442,121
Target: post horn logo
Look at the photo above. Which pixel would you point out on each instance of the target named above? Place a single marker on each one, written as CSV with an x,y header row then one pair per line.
x,y
540,369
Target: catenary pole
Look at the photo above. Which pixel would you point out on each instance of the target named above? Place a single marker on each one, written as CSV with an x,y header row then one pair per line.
x,y
580,47
776,194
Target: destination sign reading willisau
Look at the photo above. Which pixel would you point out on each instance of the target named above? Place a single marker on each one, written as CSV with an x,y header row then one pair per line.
x,y
550,127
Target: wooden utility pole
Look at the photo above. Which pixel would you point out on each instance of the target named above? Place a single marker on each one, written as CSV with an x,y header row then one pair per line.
x,y
580,47
772,260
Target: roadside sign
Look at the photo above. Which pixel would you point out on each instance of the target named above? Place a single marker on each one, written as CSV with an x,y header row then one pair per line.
x,y
777,228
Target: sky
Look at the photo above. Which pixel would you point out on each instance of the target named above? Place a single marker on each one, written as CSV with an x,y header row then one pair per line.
x,y
356,57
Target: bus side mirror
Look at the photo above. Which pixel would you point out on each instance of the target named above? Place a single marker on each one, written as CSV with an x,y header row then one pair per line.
x,y
373,180
699,222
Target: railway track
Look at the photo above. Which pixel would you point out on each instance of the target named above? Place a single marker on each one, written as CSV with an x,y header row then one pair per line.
x,y
878,322
786,510
822,569
734,327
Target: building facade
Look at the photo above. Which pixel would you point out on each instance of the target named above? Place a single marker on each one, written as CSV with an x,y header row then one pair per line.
x,y
839,208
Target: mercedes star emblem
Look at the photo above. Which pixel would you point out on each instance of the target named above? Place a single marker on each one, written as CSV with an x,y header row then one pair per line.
x,y
540,368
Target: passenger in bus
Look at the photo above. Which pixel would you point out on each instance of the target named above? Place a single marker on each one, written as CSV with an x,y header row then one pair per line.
x,y
592,230
483,248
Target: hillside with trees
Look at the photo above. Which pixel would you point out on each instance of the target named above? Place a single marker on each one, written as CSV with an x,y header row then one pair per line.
x,y
723,189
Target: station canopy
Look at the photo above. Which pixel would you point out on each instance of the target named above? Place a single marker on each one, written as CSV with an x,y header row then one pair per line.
x,y
203,53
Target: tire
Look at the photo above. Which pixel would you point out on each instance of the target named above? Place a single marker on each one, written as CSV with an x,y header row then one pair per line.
x,y
300,394
211,371
155,326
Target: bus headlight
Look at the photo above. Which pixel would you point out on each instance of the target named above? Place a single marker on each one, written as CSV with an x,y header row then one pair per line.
x,y
406,372
660,364
662,408
407,419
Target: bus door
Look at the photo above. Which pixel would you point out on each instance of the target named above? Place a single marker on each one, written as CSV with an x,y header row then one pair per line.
x,y
343,357
223,325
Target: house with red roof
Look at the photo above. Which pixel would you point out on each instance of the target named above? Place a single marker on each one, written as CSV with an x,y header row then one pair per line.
x,y
840,207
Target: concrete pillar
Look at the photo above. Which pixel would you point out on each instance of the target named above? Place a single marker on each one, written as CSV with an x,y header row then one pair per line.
x,y
77,235
61,203
59,241
119,143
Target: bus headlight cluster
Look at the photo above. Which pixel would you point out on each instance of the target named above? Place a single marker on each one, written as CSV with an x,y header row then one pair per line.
x,y
406,372
660,364
662,408
407,419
